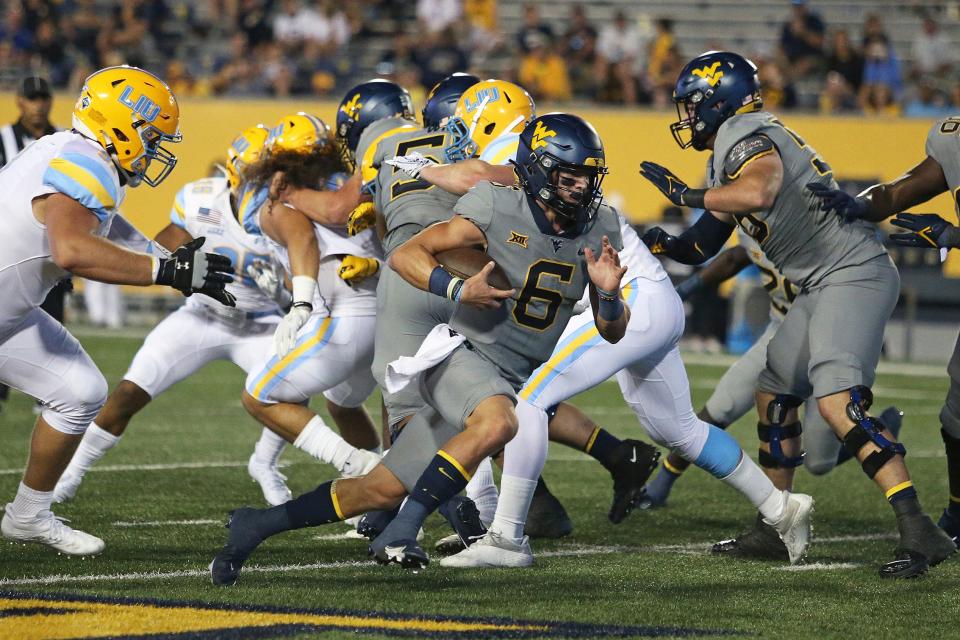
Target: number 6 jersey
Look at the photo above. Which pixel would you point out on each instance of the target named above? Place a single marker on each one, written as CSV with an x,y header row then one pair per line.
x,y
549,272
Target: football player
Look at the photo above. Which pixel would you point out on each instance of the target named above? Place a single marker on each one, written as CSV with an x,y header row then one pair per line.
x,y
758,176
325,341
939,172
61,195
735,394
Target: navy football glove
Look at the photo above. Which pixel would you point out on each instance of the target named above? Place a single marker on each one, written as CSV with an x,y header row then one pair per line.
x,y
928,230
658,241
670,185
849,208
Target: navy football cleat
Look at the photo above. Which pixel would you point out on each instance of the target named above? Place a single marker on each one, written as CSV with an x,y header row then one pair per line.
x,y
243,539
950,524
406,553
464,517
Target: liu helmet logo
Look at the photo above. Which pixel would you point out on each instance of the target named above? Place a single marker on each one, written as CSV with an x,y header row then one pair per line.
x,y
142,105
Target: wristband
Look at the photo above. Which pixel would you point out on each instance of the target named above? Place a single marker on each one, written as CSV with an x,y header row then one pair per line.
x,y
304,291
154,268
606,295
610,309
445,285
950,238
693,198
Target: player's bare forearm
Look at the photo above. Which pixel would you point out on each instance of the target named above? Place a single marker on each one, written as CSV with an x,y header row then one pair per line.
x,y
916,186
754,190
725,266
75,248
458,178
605,272
172,236
327,207
414,260
294,230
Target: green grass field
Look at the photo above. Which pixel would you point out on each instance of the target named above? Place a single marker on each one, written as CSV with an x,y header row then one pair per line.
x,y
159,497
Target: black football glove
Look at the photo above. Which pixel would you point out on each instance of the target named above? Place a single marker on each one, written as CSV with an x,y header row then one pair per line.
x,y
658,241
670,185
928,230
190,270
849,208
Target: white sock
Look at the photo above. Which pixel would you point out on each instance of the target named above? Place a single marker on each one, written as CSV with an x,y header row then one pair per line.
x,y
323,443
516,494
30,502
268,448
482,490
750,480
95,444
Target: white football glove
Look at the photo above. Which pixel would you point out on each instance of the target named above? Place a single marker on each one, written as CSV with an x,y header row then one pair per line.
x,y
411,165
286,334
269,278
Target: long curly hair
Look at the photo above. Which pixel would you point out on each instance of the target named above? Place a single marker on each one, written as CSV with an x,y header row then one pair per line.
x,y
298,169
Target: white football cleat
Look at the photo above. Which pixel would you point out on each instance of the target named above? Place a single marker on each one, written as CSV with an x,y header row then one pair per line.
x,y
795,526
271,481
493,550
360,463
47,529
66,489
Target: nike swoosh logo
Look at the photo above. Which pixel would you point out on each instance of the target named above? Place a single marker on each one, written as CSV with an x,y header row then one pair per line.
x,y
444,472
633,458
394,552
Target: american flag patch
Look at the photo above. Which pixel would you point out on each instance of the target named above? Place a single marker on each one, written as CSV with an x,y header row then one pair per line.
x,y
208,216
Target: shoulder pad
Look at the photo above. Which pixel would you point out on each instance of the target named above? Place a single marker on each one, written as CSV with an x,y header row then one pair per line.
x,y
743,152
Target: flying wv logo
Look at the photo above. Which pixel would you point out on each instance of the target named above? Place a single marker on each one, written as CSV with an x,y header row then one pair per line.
x,y
540,135
711,74
142,105
353,107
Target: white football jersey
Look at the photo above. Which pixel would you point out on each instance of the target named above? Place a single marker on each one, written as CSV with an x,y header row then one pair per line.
x,y
203,209
636,256
63,162
334,296
782,291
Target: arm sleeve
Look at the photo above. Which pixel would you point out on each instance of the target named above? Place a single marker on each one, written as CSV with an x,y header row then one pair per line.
x,y
86,180
701,241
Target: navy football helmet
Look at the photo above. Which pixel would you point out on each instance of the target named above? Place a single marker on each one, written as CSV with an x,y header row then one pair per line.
x,y
442,99
713,87
366,103
558,142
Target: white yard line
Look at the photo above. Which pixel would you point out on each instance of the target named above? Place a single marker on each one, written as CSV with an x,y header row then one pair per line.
x,y
576,551
166,523
149,467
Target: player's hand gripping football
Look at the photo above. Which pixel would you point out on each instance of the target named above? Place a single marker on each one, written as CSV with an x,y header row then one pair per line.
x,y
664,179
411,165
849,208
605,270
355,269
927,230
269,277
477,292
190,270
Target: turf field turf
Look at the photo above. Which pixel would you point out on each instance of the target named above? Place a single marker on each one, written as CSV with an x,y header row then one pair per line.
x,y
160,497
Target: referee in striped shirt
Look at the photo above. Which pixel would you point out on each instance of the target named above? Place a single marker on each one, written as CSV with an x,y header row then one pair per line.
x,y
34,101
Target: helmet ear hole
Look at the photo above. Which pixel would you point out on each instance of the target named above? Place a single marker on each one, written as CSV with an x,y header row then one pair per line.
x,y
120,135
487,130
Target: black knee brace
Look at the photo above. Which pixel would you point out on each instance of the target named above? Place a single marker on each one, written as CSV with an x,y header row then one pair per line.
x,y
868,429
776,432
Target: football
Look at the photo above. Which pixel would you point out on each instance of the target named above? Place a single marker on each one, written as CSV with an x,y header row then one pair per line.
x,y
465,262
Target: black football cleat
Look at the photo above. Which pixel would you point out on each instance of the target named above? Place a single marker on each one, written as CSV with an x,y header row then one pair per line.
x,y
951,525
242,540
762,542
406,553
464,518
922,545
547,518
633,463
372,523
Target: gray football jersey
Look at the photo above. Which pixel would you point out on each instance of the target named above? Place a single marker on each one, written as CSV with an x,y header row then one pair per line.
x,y
548,271
804,242
782,291
403,200
943,145
367,163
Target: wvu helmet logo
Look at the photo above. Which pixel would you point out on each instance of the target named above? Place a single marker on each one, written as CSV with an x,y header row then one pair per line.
x,y
540,135
352,108
143,105
711,74
518,239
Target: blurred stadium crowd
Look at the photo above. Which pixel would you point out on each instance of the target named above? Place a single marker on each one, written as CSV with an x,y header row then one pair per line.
x,y
607,52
